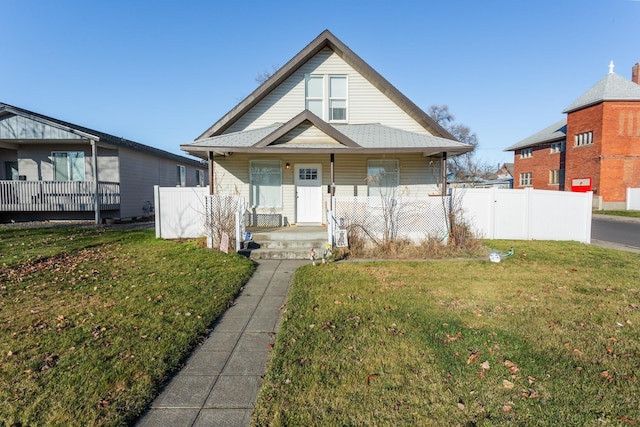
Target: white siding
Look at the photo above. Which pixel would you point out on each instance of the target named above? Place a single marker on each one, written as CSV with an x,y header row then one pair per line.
x,y
418,178
366,104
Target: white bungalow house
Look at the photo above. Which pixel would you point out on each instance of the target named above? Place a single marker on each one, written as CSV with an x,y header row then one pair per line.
x,y
325,124
51,169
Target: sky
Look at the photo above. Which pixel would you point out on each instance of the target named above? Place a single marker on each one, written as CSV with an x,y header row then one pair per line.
x,y
161,72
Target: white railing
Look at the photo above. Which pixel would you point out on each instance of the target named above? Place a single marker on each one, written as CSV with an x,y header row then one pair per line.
x,y
67,196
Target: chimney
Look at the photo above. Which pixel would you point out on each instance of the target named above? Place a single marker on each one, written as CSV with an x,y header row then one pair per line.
x,y
635,73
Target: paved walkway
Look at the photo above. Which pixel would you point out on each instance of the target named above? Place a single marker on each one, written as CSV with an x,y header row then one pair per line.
x,y
219,383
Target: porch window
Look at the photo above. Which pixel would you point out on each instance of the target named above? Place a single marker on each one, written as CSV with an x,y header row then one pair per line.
x,y
266,183
383,177
182,176
68,165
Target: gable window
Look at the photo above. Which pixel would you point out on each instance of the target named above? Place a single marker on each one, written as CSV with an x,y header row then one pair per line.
x,y
585,138
383,177
68,165
338,98
266,183
557,147
182,176
199,178
525,179
326,96
556,176
525,153
315,95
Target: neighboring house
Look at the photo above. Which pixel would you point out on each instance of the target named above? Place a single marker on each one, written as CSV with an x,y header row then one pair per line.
x,y
48,171
324,124
596,147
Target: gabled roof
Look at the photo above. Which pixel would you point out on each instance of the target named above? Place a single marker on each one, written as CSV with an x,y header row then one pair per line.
x,y
326,40
306,116
553,133
365,138
91,134
610,88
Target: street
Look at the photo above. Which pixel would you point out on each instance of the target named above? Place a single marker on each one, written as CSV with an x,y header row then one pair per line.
x,y
621,231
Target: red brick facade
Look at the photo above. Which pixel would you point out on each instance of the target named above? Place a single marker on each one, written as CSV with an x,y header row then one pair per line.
x,y
602,143
540,164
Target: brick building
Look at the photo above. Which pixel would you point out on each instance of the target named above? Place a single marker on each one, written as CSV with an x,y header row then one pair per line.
x,y
596,146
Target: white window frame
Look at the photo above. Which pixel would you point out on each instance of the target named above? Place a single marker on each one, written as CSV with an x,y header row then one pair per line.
x,y
526,153
374,189
254,173
199,178
584,138
327,99
182,176
556,147
69,173
526,179
332,98
555,176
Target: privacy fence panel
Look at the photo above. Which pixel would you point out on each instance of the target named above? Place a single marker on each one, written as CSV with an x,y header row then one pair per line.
x,y
180,212
633,199
527,214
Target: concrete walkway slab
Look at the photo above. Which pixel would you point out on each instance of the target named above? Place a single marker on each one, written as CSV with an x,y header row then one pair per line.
x,y
220,381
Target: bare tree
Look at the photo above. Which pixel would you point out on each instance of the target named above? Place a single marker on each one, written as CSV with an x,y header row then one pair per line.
x,y
466,167
266,74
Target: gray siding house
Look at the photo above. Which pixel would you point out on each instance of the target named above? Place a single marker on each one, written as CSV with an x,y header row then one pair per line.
x,y
325,124
51,169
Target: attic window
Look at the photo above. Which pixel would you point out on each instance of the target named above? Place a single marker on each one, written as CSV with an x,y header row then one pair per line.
x,y
525,153
326,96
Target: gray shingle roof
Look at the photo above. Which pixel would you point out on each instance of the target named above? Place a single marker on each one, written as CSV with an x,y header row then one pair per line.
x,y
610,88
93,134
368,137
555,132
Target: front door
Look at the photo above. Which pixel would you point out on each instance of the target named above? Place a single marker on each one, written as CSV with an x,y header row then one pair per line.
x,y
308,193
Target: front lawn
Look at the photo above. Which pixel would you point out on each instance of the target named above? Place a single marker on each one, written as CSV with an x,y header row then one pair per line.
x,y
631,214
93,322
549,336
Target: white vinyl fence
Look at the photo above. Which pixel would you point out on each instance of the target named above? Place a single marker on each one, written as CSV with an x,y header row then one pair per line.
x,y
633,199
527,214
180,212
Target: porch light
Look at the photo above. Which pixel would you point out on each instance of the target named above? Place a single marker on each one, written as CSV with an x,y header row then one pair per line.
x,y
288,166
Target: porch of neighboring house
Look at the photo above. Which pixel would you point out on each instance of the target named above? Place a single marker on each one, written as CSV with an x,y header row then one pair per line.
x,y
30,197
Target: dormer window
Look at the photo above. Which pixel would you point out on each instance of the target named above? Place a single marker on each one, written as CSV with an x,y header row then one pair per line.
x,y
326,96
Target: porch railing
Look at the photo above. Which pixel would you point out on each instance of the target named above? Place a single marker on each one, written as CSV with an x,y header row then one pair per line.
x,y
68,196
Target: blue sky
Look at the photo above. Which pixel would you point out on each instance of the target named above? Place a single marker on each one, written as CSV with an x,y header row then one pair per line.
x,y
161,72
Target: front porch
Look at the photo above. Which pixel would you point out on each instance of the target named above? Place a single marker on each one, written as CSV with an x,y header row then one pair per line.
x,y
58,196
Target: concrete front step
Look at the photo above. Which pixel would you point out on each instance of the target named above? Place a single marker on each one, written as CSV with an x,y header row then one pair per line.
x,y
287,243
280,254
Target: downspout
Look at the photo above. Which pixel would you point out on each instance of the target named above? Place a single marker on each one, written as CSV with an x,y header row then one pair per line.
x,y
211,157
333,177
96,201
444,173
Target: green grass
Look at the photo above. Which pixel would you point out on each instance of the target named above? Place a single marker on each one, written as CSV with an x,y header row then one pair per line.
x,y
93,322
547,337
632,214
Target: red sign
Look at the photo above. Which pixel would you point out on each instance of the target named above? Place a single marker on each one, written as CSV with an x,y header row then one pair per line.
x,y
581,185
